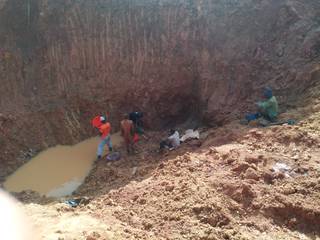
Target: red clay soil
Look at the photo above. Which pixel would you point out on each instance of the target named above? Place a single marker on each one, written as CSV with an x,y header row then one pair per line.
x,y
204,190
63,62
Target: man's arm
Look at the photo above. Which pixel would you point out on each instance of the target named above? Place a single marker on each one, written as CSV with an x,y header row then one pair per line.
x,y
264,104
121,127
100,131
171,137
132,132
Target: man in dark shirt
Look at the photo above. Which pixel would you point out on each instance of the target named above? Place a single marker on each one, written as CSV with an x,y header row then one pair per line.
x,y
136,118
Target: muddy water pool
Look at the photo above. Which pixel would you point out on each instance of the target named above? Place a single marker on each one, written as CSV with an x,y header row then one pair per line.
x,y
57,171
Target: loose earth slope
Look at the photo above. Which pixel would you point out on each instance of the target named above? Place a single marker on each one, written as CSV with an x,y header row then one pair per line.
x,y
221,187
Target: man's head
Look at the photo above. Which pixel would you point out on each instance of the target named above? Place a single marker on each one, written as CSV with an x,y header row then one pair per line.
x,y
103,119
171,132
267,92
126,116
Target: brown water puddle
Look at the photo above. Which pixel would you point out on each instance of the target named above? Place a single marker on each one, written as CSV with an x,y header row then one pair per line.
x,y
58,171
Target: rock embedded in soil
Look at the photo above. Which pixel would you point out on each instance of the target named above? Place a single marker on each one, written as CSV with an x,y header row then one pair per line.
x,y
251,174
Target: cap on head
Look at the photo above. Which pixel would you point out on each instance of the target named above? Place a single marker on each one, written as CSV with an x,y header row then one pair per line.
x,y
267,92
103,119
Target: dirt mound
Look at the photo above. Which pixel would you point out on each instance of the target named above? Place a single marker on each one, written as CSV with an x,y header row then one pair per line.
x,y
229,191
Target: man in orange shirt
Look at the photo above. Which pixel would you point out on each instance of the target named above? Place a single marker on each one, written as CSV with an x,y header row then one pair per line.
x,y
104,131
127,132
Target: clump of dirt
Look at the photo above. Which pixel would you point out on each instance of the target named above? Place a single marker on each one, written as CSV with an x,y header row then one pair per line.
x,y
32,197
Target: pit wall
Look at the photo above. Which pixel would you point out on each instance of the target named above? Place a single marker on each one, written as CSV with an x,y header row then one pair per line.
x,y
64,61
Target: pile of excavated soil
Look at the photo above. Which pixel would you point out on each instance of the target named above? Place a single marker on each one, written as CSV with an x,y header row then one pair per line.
x,y
221,187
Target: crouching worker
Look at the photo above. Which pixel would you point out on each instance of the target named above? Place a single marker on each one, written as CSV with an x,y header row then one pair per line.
x,y
104,130
172,142
127,132
267,109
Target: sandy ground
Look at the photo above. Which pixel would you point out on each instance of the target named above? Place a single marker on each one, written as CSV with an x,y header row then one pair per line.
x,y
221,187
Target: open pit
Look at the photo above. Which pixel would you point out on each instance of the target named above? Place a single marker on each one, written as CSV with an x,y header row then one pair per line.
x,y
185,64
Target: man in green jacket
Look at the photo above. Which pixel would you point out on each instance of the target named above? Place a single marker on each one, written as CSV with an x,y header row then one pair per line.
x,y
267,109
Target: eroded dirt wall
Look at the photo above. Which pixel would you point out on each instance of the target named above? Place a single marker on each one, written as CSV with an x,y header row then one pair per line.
x,y
62,61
